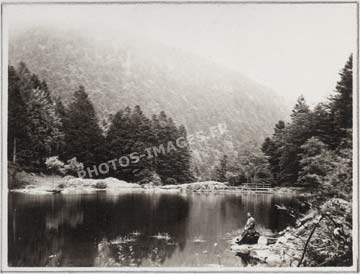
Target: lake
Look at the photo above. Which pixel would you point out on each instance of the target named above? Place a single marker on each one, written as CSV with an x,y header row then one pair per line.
x,y
135,229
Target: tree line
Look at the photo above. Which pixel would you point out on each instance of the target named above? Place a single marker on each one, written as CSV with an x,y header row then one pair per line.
x,y
312,149
315,148
41,127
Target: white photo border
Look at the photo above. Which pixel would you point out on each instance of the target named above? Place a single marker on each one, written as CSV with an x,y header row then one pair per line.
x,y
4,165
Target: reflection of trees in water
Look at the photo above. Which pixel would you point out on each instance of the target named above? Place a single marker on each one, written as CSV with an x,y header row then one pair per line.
x,y
65,230
261,206
142,252
66,216
30,244
237,207
280,219
163,214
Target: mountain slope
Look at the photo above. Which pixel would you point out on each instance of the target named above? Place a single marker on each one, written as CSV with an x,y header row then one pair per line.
x,y
126,71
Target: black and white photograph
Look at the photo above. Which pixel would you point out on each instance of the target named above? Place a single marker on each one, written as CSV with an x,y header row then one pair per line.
x,y
179,136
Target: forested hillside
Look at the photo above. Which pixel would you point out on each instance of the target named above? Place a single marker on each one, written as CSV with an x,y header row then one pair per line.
x,y
315,147
125,72
46,136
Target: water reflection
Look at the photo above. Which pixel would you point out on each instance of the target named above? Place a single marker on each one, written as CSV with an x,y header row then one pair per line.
x,y
134,229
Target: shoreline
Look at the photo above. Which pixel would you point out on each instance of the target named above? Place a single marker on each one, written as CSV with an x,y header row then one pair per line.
x,y
35,184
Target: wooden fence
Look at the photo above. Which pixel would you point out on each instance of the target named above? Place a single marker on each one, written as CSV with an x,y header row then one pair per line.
x,y
256,187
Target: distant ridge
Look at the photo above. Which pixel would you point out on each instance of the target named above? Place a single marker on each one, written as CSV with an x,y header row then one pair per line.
x,y
126,72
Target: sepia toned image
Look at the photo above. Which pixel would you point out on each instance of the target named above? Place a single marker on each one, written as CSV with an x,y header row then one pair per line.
x,y
181,136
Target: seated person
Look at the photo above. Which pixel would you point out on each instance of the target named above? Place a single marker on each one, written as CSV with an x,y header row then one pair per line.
x,y
249,232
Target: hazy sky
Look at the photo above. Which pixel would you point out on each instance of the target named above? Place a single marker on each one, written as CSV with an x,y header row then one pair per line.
x,y
293,49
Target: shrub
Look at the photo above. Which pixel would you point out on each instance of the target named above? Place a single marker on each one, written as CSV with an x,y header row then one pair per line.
x,y
155,179
54,165
73,167
170,181
146,177
62,185
100,185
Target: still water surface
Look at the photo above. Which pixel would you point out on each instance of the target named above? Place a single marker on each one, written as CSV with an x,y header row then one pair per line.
x,y
135,229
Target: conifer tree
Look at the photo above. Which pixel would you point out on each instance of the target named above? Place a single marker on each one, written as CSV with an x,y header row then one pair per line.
x,y
45,126
124,138
17,118
220,171
116,141
183,158
61,112
34,126
141,135
166,131
341,103
272,148
322,126
83,138
296,134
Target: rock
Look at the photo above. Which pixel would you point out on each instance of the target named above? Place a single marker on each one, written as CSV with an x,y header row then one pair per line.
x,y
252,254
171,187
274,260
251,237
206,186
111,183
100,185
283,253
270,241
116,183
242,249
263,240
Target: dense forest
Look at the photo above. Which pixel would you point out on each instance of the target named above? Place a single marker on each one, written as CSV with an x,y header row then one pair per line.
x,y
46,136
313,149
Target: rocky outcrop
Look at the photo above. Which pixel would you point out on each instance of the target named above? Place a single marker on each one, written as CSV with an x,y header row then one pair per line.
x,y
284,253
250,238
204,186
207,186
322,237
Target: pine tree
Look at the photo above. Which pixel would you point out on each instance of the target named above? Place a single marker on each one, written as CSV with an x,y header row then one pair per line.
x,y
296,134
220,171
61,112
26,81
117,141
272,149
165,131
45,126
300,108
141,135
34,126
184,173
17,119
341,103
322,126
83,138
